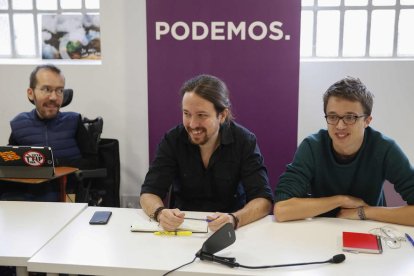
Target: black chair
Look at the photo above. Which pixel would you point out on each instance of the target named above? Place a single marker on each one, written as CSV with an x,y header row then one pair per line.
x,y
85,177
100,186
105,191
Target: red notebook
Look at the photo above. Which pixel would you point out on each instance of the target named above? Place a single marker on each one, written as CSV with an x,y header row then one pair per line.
x,y
361,242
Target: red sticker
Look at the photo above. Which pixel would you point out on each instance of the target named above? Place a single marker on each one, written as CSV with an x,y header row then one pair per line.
x,y
34,158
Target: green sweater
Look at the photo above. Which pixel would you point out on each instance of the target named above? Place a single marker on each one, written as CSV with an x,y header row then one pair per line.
x,y
315,173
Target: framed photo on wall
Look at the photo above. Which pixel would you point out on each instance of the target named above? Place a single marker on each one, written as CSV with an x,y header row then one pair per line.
x,y
72,36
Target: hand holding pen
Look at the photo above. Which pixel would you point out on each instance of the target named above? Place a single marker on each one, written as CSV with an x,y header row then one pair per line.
x,y
170,219
217,220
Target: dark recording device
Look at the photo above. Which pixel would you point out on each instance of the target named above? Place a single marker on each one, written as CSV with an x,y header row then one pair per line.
x,y
100,217
221,239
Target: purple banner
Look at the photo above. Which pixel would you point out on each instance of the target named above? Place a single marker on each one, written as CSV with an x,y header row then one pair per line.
x,y
252,45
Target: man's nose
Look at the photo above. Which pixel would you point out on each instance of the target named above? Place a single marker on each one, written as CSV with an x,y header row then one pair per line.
x,y
194,122
341,124
53,95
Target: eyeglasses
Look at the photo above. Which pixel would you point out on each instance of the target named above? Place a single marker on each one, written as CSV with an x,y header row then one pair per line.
x,y
47,90
347,119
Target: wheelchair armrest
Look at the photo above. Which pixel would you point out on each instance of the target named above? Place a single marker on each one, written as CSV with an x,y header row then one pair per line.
x,y
94,173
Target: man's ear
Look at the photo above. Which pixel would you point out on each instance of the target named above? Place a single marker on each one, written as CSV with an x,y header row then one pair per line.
x,y
223,115
368,121
30,94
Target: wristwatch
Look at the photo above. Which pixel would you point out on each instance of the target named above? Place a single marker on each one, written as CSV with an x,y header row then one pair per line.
x,y
361,213
235,220
156,213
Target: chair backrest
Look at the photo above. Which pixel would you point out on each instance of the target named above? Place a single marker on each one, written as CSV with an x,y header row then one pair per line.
x,y
105,188
67,97
109,159
94,128
100,187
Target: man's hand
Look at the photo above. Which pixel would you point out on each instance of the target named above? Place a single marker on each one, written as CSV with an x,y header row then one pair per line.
x,y
350,202
349,207
217,220
171,219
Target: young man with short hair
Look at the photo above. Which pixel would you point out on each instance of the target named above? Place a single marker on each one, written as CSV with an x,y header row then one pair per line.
x,y
341,171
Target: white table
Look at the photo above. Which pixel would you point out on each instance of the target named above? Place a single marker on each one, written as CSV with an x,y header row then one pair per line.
x,y
27,226
112,249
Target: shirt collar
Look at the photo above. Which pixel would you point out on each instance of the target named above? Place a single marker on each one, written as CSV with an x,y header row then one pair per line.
x,y
36,115
226,135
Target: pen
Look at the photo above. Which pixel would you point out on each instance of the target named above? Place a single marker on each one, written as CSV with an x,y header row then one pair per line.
x,y
409,239
173,233
208,220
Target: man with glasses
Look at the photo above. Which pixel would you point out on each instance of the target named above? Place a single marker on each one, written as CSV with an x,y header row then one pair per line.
x,y
46,125
341,171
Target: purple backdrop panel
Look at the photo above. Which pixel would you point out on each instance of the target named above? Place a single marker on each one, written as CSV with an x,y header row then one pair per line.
x,y
251,45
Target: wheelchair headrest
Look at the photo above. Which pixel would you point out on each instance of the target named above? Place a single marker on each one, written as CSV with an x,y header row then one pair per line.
x,y
67,97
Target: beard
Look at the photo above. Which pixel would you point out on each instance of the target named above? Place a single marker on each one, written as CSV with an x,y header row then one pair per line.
x,y
47,110
197,139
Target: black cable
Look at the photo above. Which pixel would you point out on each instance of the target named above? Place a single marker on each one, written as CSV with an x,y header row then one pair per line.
x,y
168,272
281,265
231,262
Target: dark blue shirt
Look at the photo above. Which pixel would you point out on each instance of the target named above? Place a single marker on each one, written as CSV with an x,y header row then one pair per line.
x,y
66,134
235,174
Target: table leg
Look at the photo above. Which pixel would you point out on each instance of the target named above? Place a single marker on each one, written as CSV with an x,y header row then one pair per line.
x,y
62,194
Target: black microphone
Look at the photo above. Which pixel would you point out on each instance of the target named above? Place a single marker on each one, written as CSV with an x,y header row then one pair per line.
x,y
226,236
337,259
231,262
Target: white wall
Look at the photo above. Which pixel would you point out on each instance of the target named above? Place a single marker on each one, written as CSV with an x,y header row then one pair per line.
x,y
117,91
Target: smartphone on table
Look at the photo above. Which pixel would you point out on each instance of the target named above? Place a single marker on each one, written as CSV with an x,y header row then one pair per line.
x,y
100,217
